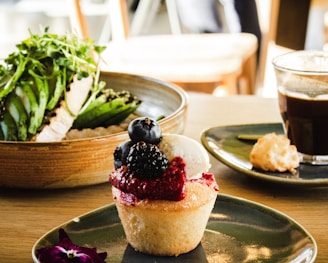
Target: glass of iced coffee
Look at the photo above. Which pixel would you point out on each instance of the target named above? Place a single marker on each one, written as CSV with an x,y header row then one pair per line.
x,y
302,81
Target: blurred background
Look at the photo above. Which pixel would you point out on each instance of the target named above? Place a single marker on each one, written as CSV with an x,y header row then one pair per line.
x,y
285,25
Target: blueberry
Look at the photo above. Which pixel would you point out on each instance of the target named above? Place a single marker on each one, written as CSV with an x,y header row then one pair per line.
x,y
145,129
121,152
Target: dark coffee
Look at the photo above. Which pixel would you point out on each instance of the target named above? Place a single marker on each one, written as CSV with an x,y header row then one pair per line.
x,y
306,122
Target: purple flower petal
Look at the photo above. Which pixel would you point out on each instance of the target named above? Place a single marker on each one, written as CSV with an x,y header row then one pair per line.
x,y
65,251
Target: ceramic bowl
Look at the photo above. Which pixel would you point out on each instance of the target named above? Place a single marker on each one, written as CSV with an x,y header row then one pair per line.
x,y
81,162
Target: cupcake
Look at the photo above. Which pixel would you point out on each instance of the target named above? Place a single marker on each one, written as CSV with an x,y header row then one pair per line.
x,y
162,190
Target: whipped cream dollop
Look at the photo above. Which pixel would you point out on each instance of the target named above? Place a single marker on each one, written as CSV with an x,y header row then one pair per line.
x,y
193,153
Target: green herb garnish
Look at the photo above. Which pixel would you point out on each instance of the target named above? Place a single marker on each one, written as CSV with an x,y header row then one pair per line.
x,y
34,80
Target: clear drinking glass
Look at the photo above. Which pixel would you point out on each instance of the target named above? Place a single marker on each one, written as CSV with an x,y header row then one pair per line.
x,y
302,82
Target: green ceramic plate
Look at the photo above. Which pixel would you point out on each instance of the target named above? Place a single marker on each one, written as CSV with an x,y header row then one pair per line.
x,y
223,143
238,231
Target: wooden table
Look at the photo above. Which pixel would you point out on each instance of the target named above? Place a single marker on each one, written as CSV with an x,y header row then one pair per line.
x,y
27,215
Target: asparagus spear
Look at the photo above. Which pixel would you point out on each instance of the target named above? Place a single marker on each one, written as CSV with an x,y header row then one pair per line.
x,y
103,110
8,126
18,112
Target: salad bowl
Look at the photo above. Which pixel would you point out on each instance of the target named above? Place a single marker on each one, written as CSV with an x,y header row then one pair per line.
x,y
88,161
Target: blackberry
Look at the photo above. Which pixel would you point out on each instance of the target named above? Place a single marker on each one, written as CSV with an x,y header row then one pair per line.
x,y
146,160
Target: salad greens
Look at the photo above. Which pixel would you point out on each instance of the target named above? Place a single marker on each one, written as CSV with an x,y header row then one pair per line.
x,y
35,78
